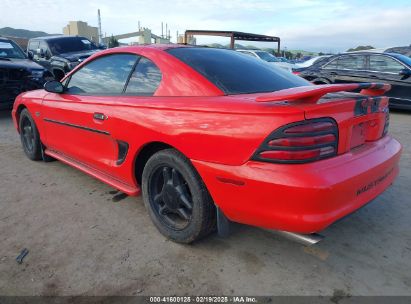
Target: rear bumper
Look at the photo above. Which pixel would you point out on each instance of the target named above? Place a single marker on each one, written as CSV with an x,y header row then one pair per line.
x,y
302,198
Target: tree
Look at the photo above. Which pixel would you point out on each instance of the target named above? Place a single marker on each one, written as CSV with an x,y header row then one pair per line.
x,y
288,55
112,42
321,54
361,48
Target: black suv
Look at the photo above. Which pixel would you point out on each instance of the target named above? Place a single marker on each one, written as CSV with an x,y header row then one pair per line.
x,y
391,68
17,73
60,54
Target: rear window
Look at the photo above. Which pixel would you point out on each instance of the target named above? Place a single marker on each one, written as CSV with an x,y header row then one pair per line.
x,y
236,73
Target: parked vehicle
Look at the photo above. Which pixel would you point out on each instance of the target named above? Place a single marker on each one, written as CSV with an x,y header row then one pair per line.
x,y
211,136
60,54
269,58
391,68
17,73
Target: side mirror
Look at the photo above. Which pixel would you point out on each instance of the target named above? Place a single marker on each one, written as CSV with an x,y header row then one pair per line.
x,y
30,55
54,86
405,73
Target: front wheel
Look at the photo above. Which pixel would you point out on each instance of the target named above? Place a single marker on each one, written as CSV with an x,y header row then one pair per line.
x,y
29,135
176,198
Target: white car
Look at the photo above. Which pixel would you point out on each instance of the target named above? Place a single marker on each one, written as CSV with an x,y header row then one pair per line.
x,y
269,58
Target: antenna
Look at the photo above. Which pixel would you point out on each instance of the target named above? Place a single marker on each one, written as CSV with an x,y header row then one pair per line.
x,y
100,33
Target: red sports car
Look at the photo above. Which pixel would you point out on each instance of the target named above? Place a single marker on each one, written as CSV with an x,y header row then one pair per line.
x,y
209,135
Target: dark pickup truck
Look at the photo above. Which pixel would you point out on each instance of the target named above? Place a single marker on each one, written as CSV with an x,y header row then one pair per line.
x,y
60,54
18,73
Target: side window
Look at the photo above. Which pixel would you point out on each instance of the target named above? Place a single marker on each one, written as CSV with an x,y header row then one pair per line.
x,y
384,64
145,78
104,75
33,46
332,65
44,47
355,62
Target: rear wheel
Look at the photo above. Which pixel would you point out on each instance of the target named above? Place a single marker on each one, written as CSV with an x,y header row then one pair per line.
x,y
29,135
176,197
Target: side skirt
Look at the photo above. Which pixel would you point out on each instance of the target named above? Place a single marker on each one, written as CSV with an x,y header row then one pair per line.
x,y
115,183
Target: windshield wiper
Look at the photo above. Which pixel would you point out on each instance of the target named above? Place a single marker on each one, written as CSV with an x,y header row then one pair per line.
x,y
6,59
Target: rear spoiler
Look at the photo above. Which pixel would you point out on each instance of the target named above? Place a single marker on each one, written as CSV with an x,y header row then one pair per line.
x,y
311,94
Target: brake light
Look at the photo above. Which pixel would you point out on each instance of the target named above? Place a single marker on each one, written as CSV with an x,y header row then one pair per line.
x,y
300,142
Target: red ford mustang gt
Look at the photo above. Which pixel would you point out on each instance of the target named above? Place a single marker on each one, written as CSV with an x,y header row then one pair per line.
x,y
210,134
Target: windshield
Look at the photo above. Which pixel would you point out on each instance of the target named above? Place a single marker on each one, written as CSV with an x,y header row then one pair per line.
x,y
70,44
8,49
267,57
235,73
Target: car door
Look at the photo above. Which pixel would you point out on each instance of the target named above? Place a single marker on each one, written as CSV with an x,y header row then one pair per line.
x,y
78,121
383,68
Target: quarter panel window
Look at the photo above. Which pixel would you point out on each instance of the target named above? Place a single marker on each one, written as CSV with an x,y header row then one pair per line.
x,y
145,79
104,75
33,46
385,64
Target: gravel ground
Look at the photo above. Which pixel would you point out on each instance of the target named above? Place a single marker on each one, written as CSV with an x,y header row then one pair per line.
x,y
84,238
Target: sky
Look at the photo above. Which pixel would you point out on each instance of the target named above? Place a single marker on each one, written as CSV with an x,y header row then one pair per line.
x,y
312,25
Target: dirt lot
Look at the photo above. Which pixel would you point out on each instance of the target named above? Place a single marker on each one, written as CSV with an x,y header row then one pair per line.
x,y
86,239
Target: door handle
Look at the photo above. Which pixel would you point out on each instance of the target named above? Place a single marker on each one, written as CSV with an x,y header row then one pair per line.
x,y
333,73
99,116
373,76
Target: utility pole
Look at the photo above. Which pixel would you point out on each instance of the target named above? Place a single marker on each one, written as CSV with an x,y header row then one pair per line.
x,y
100,33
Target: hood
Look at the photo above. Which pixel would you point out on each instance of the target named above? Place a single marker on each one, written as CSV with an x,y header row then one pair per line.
x,y
77,56
14,63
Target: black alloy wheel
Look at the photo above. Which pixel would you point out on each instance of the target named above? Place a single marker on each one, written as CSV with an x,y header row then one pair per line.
x,y
29,135
176,198
170,197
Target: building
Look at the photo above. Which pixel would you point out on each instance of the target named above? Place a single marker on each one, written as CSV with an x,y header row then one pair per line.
x,y
191,39
80,28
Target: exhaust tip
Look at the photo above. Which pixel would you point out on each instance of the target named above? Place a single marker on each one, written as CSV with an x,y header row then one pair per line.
x,y
304,239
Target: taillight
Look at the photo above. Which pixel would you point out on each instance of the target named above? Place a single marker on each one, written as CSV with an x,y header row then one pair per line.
x,y
300,142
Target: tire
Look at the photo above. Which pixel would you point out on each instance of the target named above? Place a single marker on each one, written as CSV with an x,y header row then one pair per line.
x,y
29,135
170,186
